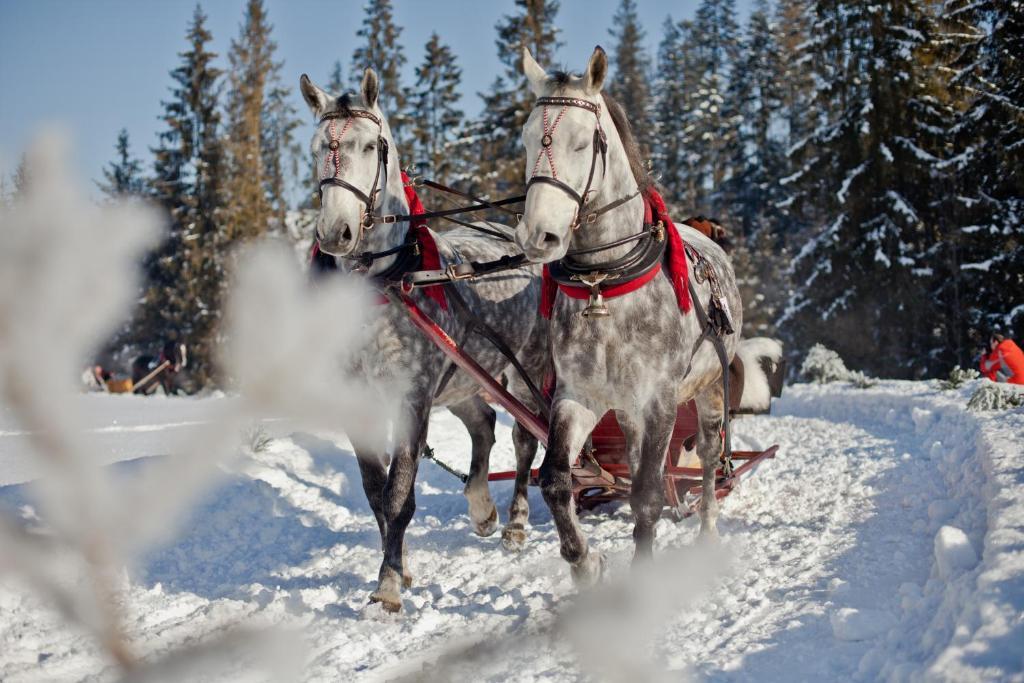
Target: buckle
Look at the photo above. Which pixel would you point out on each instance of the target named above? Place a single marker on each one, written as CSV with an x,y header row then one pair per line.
x,y
460,271
390,218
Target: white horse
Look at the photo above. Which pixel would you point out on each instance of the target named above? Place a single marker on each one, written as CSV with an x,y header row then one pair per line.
x,y
638,355
360,182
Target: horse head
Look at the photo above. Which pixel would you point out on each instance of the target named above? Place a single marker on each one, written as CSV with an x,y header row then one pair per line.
x,y
573,156
357,166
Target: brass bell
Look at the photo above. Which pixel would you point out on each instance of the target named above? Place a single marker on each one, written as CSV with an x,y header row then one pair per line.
x,y
596,307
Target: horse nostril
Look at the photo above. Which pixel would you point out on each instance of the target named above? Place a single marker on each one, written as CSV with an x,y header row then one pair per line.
x,y
551,239
347,234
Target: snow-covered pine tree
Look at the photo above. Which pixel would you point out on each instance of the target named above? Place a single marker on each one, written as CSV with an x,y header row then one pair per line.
x,y
669,154
795,79
437,120
629,82
710,122
753,191
123,176
991,163
508,102
764,159
865,275
382,51
185,275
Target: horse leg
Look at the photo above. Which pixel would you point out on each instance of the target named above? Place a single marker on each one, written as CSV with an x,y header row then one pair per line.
x,y
647,489
479,419
571,424
710,413
374,473
399,503
513,536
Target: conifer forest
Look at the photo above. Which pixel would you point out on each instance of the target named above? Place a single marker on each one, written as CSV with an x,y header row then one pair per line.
x,y
866,158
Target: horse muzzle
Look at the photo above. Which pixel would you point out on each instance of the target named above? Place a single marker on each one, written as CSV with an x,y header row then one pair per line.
x,y
540,245
339,240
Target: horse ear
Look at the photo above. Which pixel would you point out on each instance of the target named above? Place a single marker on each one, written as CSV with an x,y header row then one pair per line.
x,y
597,69
370,88
535,75
316,98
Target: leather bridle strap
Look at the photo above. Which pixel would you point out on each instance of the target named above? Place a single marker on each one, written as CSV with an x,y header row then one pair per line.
x,y
369,200
599,148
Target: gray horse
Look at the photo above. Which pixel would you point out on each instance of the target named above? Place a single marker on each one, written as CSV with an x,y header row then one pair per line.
x,y
586,183
359,170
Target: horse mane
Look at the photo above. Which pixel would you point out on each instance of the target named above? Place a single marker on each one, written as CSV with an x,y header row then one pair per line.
x,y
342,104
636,161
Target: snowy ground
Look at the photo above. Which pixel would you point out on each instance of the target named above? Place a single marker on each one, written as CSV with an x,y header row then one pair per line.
x,y
886,540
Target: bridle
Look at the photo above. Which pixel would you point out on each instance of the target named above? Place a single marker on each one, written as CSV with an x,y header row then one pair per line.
x,y
599,148
367,218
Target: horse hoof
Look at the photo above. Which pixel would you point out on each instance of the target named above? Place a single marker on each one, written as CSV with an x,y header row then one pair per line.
x,y
588,571
513,537
390,602
709,536
488,526
406,580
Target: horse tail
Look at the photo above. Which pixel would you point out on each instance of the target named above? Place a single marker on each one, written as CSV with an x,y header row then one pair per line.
x,y
763,372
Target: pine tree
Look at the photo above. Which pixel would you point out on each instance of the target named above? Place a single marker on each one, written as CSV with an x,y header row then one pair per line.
x,y
712,118
382,51
508,103
795,77
866,274
122,177
986,71
280,147
185,276
669,154
753,190
336,82
437,118
629,83
251,58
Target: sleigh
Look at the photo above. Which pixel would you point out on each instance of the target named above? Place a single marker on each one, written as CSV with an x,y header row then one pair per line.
x,y
601,473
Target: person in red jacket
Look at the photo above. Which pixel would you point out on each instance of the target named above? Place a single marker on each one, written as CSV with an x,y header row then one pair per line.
x,y
1004,362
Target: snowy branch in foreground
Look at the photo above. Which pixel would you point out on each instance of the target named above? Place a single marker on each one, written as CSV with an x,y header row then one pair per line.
x,y
67,276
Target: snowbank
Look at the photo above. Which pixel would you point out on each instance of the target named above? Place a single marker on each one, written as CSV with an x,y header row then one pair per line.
x,y
965,621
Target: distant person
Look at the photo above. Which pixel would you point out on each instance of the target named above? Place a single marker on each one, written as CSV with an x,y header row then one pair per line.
x,y
150,372
1004,362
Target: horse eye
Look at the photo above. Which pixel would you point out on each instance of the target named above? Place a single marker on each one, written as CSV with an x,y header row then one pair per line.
x,y
370,147
580,148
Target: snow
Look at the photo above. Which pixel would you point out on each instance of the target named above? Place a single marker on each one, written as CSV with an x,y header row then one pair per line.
x,y
854,624
850,177
883,542
953,552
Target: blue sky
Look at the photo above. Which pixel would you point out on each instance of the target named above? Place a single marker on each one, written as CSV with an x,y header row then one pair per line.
x,y
100,65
